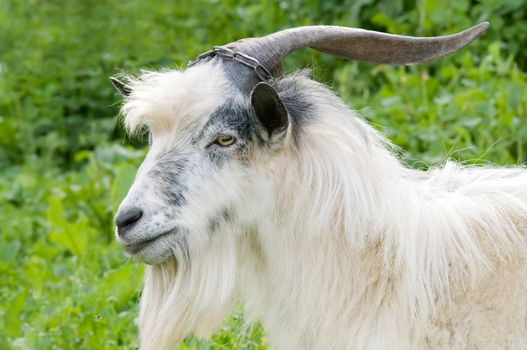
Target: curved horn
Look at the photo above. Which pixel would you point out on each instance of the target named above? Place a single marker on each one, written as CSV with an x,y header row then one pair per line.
x,y
356,44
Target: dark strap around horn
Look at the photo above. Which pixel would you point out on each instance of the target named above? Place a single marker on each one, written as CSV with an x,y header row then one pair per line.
x,y
261,72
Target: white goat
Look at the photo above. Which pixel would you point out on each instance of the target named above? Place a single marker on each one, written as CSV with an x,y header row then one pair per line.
x,y
275,193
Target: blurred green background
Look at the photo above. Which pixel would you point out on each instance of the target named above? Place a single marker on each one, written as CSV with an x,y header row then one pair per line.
x,y
65,162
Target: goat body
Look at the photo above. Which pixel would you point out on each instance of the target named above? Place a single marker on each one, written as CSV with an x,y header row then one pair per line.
x,y
316,226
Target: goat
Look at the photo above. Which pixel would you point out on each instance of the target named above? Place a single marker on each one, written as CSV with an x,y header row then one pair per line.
x,y
268,189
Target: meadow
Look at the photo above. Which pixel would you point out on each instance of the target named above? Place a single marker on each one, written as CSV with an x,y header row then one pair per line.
x,y
65,162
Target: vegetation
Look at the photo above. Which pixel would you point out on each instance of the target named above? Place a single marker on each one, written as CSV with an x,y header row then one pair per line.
x,y
65,163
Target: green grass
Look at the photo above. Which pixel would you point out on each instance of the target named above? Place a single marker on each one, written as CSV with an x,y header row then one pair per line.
x,y
65,163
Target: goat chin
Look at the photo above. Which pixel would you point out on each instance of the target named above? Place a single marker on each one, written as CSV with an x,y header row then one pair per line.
x,y
189,296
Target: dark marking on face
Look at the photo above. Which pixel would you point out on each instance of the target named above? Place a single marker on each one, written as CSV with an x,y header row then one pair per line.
x,y
168,173
232,119
232,116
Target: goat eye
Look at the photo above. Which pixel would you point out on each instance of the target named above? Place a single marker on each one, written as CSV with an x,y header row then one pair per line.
x,y
225,140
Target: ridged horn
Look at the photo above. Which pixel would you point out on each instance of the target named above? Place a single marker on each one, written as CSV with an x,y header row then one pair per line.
x,y
355,44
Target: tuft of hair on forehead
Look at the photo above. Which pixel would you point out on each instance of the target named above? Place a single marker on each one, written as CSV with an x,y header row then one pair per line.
x,y
163,100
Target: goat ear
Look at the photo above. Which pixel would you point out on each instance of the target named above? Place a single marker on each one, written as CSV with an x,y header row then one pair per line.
x,y
270,111
121,87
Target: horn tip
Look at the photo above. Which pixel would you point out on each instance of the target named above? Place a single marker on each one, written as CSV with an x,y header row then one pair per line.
x,y
481,28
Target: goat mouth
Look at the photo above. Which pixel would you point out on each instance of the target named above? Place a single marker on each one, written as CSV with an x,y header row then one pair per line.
x,y
137,247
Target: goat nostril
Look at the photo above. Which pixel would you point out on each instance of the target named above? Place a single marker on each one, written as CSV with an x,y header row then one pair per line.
x,y
127,217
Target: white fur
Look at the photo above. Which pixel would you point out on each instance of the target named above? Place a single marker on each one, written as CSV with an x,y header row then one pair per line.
x,y
336,244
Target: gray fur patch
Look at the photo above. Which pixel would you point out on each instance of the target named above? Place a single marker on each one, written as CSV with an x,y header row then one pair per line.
x,y
230,118
224,216
297,103
169,170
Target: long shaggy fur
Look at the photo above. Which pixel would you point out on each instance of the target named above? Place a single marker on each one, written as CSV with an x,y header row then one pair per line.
x,y
342,247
